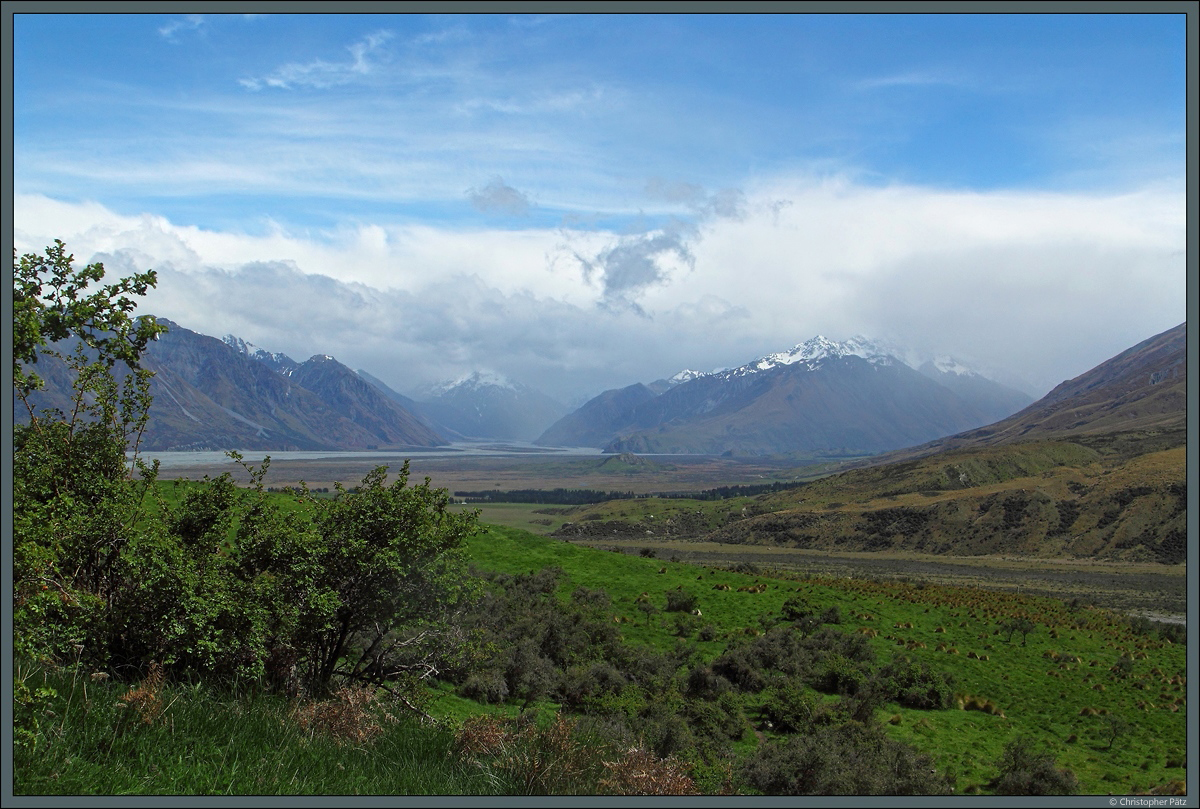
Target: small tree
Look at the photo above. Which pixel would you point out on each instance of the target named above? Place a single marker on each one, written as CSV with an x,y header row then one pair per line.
x,y
680,601
1025,770
1024,626
1114,726
649,609
75,504
393,569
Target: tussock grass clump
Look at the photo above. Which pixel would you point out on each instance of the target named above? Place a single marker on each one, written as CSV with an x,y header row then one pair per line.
x,y
353,715
521,757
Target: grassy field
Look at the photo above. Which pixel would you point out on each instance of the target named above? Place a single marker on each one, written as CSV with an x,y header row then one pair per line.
x,y
1104,694
1059,687
1107,700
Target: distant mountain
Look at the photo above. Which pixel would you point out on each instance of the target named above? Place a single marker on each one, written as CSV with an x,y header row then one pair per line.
x,y
490,406
1095,469
209,394
411,405
596,422
993,400
362,403
820,397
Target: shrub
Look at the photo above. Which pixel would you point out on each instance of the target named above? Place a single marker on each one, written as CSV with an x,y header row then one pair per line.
x,y
487,686
563,758
915,685
585,689
715,723
1025,770
638,772
351,715
739,666
849,759
704,683
839,675
789,708
680,601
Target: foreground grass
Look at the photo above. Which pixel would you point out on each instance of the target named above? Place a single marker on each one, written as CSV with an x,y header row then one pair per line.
x,y
95,739
1105,698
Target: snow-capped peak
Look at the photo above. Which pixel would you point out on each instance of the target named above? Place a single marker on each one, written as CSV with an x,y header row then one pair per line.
x,y
814,352
239,345
949,365
474,381
686,375
277,361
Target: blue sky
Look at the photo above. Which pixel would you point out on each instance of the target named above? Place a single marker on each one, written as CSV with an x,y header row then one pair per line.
x,y
583,201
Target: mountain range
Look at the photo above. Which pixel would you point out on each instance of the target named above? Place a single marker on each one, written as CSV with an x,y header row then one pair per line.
x,y
820,397
1094,469
489,406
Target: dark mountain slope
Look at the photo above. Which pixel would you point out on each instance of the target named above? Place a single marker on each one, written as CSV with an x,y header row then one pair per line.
x,y
351,396
1141,390
846,405
211,395
596,422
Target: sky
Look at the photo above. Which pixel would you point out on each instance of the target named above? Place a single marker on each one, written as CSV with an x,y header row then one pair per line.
x,y
580,202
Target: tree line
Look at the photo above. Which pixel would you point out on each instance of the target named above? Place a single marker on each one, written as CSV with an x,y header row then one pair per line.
x,y
582,497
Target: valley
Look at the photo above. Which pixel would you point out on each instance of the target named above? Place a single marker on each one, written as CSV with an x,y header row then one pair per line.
x,y
1135,587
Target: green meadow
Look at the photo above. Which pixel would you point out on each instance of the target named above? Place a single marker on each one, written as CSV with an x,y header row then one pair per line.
x,y
1102,694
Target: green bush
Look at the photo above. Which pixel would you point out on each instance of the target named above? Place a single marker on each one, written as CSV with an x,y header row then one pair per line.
x,y
1026,770
680,601
915,685
848,759
790,708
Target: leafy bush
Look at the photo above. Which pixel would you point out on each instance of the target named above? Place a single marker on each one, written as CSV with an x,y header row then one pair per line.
x,y
790,708
740,666
915,685
1025,770
680,601
848,759
704,683
716,722
225,586
487,686
839,675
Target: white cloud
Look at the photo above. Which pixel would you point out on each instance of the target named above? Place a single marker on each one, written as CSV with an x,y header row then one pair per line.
x,y
191,22
1043,286
915,78
321,74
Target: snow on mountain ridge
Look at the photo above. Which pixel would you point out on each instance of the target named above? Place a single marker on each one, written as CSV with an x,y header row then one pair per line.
x,y
279,361
814,352
949,365
474,381
686,375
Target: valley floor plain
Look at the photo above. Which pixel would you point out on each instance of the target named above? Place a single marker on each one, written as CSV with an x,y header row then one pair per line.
x,y
1154,591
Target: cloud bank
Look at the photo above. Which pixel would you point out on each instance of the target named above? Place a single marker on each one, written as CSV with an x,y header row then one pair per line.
x,y
1037,287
